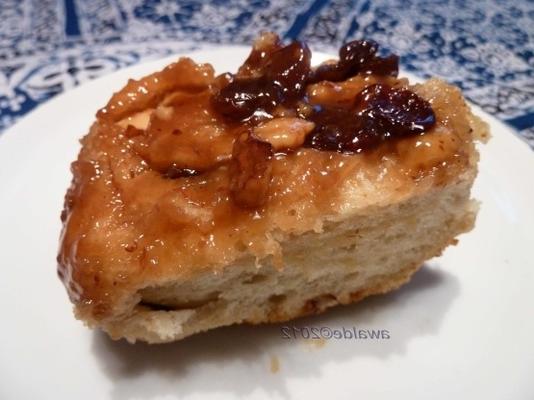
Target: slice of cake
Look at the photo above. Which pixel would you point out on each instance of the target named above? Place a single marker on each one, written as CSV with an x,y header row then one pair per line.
x,y
200,201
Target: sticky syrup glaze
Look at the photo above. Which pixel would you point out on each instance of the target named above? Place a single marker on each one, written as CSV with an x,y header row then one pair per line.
x,y
184,171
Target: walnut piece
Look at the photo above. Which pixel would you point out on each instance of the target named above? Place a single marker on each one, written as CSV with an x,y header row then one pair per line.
x,y
284,133
250,171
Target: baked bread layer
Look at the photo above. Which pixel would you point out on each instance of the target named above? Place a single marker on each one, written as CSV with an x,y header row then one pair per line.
x,y
346,262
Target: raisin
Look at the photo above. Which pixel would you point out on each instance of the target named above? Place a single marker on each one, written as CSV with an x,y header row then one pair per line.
x,y
401,111
385,66
289,69
379,112
283,77
242,97
342,130
358,56
357,53
276,75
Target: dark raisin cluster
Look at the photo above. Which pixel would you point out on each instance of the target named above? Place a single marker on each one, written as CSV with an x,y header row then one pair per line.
x,y
378,112
281,74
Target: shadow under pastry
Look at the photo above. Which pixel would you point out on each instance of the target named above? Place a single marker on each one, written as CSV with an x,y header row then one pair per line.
x,y
235,360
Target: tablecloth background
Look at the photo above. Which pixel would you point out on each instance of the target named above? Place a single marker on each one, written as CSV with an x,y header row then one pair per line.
x,y
486,46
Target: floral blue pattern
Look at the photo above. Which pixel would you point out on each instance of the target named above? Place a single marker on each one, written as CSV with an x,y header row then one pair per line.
x,y
485,46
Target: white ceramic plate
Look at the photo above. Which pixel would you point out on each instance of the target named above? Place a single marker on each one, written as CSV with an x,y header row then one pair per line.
x,y
462,329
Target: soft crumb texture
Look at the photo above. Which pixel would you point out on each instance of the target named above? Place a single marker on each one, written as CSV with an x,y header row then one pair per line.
x,y
347,261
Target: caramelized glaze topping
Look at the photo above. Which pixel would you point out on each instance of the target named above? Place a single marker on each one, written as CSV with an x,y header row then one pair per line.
x,y
184,171
266,107
276,75
268,100
174,172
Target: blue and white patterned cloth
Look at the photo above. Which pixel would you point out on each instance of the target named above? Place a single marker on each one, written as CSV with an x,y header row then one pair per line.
x,y
485,46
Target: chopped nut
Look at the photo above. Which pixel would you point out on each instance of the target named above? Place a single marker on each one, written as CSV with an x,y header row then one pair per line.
x,y
138,120
250,171
284,133
147,92
263,47
164,112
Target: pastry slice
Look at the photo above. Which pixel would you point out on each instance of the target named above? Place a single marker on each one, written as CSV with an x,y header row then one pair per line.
x,y
281,190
